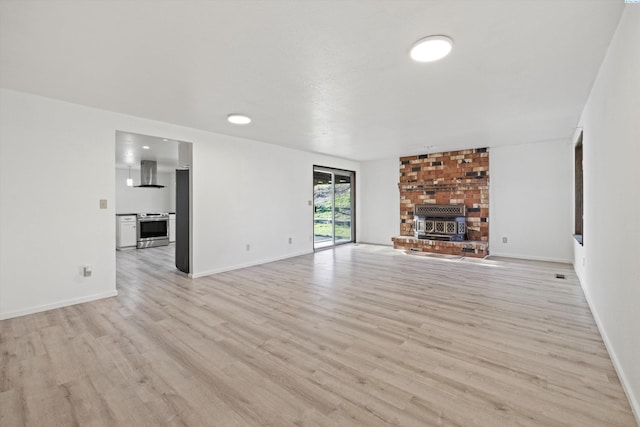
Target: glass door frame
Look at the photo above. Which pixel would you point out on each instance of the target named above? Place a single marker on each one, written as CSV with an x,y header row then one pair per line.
x,y
336,172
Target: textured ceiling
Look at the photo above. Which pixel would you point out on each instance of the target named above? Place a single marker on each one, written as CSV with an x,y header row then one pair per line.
x,y
331,77
130,151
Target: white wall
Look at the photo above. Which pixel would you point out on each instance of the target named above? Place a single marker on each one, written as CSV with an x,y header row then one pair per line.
x,y
170,190
380,201
56,162
58,158
611,148
249,193
531,199
135,200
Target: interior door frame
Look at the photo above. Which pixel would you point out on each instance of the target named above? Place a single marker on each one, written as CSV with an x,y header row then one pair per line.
x,y
333,172
184,161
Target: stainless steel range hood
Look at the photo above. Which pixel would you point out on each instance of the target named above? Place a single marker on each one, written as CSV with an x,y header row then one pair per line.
x,y
149,174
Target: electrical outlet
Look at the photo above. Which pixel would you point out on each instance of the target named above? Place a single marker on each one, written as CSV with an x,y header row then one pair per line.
x,y
248,247
310,203
103,203
290,240
504,240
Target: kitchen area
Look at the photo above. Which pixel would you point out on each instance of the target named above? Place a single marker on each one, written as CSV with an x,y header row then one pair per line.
x,y
152,196
145,230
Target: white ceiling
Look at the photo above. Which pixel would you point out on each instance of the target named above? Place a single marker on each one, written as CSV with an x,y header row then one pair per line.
x,y
130,151
326,76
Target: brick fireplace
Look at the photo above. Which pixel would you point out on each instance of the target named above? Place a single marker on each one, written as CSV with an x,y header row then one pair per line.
x,y
450,178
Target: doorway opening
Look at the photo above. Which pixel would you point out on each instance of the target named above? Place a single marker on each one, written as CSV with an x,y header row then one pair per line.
x,y
153,198
333,207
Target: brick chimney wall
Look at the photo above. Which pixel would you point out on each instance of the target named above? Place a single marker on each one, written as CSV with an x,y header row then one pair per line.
x,y
453,177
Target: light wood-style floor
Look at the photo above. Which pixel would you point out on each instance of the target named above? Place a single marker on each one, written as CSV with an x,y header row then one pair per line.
x,y
356,336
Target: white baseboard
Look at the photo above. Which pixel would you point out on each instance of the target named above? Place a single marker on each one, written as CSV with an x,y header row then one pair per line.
x,y
530,257
633,399
375,244
245,265
59,304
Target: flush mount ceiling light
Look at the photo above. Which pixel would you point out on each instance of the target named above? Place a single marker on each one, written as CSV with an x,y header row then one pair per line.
x,y
239,119
431,48
146,147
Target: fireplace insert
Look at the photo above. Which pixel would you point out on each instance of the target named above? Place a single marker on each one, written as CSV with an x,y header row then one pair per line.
x,y
440,222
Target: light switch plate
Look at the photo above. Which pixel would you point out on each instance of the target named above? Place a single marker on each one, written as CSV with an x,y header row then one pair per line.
x,y
103,203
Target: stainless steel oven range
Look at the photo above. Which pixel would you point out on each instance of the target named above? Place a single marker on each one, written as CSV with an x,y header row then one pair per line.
x,y
153,230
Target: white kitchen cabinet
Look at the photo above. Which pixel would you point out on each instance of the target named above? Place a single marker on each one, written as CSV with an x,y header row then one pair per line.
x,y
172,228
126,231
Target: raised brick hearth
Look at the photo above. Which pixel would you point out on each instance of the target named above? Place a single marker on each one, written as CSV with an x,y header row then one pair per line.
x,y
467,248
454,177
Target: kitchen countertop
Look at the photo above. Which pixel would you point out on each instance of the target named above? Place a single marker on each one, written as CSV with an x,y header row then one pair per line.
x,y
129,214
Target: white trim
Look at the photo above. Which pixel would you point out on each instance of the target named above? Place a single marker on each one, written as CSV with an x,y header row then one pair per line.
x,y
245,265
389,245
633,401
530,257
58,304
576,135
579,259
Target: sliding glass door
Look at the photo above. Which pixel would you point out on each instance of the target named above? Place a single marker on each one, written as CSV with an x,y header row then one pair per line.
x,y
342,202
322,209
333,207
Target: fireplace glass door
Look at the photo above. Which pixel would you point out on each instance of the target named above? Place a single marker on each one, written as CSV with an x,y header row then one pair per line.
x,y
333,203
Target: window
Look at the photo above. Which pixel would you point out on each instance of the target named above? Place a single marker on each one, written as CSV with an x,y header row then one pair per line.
x,y
579,201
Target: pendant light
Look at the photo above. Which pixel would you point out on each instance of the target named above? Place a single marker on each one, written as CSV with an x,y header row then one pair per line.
x,y
129,180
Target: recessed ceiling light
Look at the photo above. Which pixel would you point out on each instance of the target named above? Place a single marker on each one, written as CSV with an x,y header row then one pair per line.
x,y
238,119
431,48
165,139
146,147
